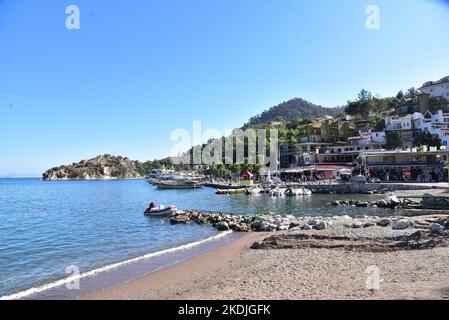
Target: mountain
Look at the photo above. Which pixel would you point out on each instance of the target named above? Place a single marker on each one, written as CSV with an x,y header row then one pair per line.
x,y
101,167
293,109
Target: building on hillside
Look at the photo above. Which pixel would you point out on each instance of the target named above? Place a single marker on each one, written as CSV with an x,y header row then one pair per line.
x,y
378,137
435,124
321,130
438,88
402,125
406,166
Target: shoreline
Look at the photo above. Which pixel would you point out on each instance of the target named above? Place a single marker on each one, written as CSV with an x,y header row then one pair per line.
x,y
302,265
122,271
168,277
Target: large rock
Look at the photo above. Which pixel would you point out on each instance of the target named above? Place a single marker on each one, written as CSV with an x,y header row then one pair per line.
x,y
222,226
401,224
180,219
384,222
307,227
322,225
437,229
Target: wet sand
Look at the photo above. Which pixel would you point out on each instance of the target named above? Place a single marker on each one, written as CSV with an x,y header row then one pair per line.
x,y
237,272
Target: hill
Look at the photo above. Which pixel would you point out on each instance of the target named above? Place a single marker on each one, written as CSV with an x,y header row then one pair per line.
x,y
293,109
101,167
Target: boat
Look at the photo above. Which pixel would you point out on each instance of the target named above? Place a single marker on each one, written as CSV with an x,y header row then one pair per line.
x,y
160,211
254,191
277,192
298,192
230,191
179,184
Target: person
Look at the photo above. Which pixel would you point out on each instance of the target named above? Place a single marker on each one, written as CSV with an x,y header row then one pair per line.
x,y
153,206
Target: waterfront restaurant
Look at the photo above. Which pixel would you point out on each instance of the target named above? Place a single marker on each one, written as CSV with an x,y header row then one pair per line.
x,y
317,172
410,165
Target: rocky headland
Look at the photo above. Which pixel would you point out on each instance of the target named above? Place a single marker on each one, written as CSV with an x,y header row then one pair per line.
x,y
98,168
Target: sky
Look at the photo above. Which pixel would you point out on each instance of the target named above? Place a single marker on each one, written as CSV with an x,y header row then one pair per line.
x,y
137,70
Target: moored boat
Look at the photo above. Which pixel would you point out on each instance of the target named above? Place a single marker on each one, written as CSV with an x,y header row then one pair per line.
x,y
160,211
254,191
277,192
230,191
298,192
179,185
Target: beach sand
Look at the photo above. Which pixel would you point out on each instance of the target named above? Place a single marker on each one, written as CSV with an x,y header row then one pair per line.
x,y
237,272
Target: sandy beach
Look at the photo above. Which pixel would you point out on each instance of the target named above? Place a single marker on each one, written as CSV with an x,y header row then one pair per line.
x,y
315,267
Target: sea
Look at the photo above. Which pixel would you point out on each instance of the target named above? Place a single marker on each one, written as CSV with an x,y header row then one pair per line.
x,y
55,233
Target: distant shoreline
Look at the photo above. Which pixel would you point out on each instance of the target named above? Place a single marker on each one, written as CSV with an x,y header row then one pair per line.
x,y
97,179
40,178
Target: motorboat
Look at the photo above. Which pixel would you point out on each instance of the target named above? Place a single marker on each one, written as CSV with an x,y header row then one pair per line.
x,y
254,191
179,184
230,191
277,192
160,211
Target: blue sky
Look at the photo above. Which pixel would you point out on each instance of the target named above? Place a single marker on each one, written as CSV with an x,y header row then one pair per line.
x,y
138,69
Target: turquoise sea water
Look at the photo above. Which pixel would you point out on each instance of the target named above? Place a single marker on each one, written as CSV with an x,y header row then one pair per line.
x,y
47,226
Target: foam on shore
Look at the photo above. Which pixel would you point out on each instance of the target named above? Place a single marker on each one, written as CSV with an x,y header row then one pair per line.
x,y
35,290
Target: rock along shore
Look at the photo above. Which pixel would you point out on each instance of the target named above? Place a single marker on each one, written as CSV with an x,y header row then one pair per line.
x,y
272,222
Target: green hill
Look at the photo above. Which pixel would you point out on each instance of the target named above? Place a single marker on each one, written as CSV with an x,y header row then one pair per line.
x,y
293,109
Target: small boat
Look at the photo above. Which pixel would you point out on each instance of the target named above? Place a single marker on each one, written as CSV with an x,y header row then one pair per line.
x,y
254,191
160,211
179,185
229,191
298,192
277,192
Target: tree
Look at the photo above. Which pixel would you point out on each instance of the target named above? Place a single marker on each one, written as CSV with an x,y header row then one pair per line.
x,y
378,123
400,96
362,106
411,93
428,139
394,140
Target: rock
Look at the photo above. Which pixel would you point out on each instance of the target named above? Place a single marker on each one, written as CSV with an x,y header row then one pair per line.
x,y
313,222
437,229
243,227
202,220
362,204
294,225
295,229
384,222
222,226
335,203
368,225
307,227
357,225
401,224
322,226
180,219
382,203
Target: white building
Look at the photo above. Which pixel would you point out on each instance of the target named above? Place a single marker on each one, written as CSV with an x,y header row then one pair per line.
x,y
435,124
437,88
396,123
378,137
